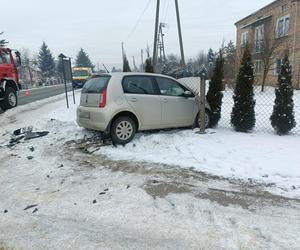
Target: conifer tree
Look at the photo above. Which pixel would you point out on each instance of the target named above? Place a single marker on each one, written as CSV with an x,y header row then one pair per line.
x,y
243,113
46,63
283,118
214,95
83,60
3,42
149,66
126,67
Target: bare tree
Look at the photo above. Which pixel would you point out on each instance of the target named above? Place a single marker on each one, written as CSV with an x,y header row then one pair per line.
x,y
268,48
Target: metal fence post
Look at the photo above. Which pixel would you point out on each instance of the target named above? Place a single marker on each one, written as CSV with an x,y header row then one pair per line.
x,y
202,103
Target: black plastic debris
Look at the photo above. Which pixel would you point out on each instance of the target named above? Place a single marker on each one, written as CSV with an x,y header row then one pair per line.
x,y
35,210
25,134
102,193
30,157
31,149
5,211
94,201
30,206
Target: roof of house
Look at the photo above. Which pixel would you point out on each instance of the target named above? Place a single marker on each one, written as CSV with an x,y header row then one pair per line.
x,y
257,11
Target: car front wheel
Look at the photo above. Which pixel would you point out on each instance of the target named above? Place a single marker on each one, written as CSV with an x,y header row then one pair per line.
x,y
207,120
123,130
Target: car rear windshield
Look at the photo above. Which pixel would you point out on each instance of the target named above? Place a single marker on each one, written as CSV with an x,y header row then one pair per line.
x,y
95,85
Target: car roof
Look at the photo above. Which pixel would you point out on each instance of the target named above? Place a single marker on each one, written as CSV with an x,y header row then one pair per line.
x,y
121,74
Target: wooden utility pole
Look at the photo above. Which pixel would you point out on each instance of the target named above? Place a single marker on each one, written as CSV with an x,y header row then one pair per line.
x,y
179,33
156,35
142,60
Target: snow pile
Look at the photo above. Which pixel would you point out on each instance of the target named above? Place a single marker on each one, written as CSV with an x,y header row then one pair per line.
x,y
266,158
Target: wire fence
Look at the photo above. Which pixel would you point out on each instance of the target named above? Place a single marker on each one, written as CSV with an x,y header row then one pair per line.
x,y
263,108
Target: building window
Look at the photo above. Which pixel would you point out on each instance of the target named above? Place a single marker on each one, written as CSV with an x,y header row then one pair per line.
x,y
259,37
244,39
282,28
258,66
284,8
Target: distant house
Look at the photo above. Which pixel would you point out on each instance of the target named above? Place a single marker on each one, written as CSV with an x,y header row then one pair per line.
x,y
269,32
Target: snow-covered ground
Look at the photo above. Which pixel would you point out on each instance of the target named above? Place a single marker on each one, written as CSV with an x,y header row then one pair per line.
x,y
154,197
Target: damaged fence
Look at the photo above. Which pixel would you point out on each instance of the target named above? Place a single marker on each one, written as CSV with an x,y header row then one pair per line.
x,y
263,108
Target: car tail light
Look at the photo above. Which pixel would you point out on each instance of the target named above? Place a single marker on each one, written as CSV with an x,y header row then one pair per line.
x,y
103,99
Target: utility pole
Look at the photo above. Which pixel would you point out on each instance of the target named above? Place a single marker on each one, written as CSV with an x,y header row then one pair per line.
x,y
179,33
156,36
122,50
142,60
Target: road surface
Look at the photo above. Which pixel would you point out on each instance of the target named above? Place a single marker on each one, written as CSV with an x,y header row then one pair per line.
x,y
32,95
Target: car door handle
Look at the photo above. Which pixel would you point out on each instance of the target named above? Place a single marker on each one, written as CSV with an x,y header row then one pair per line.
x,y
133,99
165,100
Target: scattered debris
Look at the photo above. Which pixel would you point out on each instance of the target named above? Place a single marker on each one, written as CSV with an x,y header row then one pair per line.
x,y
48,176
128,186
155,181
26,134
94,201
31,148
61,166
23,130
102,193
30,157
106,189
35,210
30,206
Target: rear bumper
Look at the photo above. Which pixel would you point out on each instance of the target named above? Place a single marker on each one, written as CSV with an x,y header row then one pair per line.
x,y
92,118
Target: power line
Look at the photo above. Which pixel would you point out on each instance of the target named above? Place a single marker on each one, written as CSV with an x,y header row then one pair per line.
x,y
138,21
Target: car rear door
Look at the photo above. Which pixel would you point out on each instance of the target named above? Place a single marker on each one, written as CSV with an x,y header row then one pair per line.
x,y
176,109
142,95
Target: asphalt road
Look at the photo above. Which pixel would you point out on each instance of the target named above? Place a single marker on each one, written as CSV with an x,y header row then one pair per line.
x,y
32,95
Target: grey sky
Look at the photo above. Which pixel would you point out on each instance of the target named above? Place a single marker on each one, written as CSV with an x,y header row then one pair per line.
x,y
99,26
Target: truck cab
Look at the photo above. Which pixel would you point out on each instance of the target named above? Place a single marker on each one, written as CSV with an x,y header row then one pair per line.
x,y
80,76
9,78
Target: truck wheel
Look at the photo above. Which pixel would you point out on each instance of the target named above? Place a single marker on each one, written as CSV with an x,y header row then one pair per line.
x,y
123,130
10,100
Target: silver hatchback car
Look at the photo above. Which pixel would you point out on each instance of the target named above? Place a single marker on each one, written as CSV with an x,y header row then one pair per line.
x,y
123,103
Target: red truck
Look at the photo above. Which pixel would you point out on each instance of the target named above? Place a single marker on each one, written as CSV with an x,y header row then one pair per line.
x,y
9,78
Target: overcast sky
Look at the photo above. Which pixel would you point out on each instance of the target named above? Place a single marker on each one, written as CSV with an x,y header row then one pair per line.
x,y
99,26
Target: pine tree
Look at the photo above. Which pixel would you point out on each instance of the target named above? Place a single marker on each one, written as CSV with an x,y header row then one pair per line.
x,y
83,60
46,62
3,42
149,66
243,113
214,95
126,67
282,118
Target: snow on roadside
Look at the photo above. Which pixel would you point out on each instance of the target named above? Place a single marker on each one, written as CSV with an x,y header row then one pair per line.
x,y
265,158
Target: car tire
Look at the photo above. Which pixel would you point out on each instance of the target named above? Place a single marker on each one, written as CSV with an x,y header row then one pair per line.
x,y
207,119
123,130
10,100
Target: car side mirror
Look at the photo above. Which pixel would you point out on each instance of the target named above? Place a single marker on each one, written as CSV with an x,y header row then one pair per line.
x,y
187,94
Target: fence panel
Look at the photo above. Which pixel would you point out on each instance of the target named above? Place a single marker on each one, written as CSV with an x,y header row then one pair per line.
x,y
263,108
